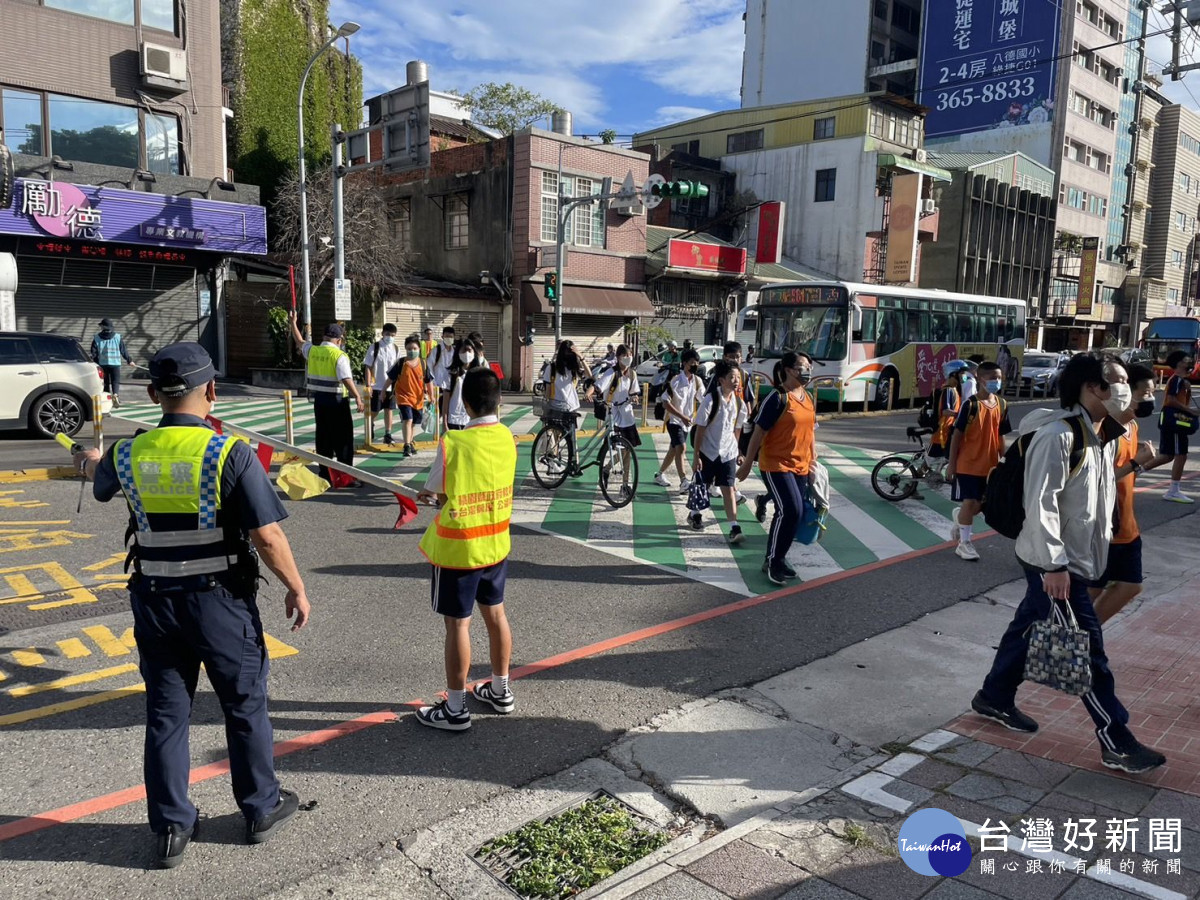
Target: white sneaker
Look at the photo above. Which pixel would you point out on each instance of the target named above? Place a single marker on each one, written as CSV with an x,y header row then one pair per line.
x,y
1177,497
739,497
966,550
955,528
684,485
661,480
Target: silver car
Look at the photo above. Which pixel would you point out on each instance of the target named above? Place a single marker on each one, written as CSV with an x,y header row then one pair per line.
x,y
1040,373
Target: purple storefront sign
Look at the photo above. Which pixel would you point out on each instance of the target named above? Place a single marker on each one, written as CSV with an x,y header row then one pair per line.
x,y
83,213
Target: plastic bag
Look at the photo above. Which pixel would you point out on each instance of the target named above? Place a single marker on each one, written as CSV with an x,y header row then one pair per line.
x,y
300,482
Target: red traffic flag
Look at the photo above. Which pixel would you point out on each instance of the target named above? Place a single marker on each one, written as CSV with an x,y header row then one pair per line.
x,y
340,479
408,510
264,453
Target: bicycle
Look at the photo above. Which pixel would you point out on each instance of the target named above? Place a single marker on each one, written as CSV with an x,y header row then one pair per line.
x,y
897,477
614,456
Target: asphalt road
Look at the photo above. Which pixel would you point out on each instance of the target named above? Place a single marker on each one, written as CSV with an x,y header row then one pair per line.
x,y
372,647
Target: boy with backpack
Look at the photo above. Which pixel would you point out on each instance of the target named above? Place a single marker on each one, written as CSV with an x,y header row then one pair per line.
x,y
976,446
407,378
378,361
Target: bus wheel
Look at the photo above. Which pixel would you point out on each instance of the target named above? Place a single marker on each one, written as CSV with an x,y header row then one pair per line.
x,y
887,390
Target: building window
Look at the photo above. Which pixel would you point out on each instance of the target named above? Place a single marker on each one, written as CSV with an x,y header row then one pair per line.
x,y
1173,295
550,206
21,119
906,18
94,132
1185,182
742,141
881,9
823,129
401,221
1177,258
155,13
826,185
878,53
586,224
162,144
458,221
158,14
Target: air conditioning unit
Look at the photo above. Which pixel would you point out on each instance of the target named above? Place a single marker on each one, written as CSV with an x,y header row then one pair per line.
x,y
921,155
928,207
164,67
635,209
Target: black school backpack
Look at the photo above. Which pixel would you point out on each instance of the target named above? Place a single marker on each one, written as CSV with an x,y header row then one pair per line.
x,y
1004,496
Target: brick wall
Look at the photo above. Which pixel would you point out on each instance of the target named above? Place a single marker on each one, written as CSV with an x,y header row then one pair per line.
x,y
52,50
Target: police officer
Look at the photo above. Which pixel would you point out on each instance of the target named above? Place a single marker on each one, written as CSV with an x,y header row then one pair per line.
x,y
202,513
329,382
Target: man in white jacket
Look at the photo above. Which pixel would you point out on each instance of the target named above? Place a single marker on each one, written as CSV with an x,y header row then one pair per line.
x,y
1063,546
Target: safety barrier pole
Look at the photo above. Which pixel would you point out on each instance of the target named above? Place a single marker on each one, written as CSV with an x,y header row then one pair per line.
x,y
367,423
841,396
891,396
289,420
97,423
437,418
645,403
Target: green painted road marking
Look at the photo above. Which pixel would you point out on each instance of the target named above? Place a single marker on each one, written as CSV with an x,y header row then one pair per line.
x,y
655,530
749,554
882,511
843,547
933,500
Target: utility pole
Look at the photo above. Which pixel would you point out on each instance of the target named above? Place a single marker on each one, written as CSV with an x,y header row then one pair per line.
x,y
339,220
1184,16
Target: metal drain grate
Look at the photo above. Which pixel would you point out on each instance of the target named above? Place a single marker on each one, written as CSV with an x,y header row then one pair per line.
x,y
592,846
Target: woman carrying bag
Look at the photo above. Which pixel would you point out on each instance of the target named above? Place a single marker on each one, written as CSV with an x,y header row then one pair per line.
x,y
785,444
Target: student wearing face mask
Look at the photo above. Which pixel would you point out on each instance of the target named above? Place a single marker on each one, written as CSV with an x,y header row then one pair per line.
x,y
679,400
976,446
785,444
562,377
466,357
1132,399
380,358
619,388
407,379
1173,431
719,421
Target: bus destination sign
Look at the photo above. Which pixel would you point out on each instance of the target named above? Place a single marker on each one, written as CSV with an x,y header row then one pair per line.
x,y
825,295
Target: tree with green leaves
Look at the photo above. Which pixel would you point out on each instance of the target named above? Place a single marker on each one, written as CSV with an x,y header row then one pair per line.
x,y
608,136
506,107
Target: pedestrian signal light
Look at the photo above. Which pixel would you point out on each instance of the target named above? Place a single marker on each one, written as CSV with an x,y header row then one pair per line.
x,y
679,189
552,287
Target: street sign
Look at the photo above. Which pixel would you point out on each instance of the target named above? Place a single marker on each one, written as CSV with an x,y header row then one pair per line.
x,y
399,141
550,257
341,299
652,200
628,194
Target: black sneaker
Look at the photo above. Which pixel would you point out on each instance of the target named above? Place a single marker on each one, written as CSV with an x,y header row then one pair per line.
x,y
696,521
735,534
484,694
388,439
1134,760
1012,719
273,822
787,570
439,716
173,844
777,575
760,507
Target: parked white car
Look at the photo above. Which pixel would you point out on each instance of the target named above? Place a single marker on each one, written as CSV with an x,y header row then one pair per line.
x,y
1039,373
47,383
709,354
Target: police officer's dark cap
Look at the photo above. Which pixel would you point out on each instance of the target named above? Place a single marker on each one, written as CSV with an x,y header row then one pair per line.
x,y
179,368
106,323
334,330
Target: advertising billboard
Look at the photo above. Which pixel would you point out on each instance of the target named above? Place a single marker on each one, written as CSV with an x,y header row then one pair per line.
x,y
901,262
988,64
1087,276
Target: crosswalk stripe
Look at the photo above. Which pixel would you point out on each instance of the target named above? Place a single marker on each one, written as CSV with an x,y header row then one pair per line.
x,y
73,648
27,657
920,512
106,641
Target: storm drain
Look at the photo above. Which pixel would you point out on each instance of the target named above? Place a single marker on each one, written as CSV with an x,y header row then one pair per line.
x,y
572,848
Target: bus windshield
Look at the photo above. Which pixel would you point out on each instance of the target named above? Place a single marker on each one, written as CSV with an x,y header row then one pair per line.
x,y
819,331
1165,336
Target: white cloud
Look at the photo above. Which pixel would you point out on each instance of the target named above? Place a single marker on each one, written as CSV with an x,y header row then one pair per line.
x,y
669,115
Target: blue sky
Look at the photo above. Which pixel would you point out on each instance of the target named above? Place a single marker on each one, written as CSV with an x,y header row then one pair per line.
x,y
644,63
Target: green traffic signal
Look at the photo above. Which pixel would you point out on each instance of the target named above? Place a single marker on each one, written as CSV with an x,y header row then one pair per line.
x,y
551,288
679,189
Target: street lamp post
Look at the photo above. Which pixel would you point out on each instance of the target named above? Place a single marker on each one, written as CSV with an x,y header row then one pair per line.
x,y
346,29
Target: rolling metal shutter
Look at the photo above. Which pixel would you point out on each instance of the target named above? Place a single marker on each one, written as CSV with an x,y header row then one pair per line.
x,y
465,316
151,306
695,330
591,334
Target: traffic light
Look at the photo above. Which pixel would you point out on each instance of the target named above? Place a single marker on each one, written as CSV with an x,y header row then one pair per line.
x,y
679,189
552,287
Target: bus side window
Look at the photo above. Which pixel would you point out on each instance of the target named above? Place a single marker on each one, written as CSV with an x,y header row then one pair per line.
x,y
867,335
917,327
941,328
963,330
987,331
891,332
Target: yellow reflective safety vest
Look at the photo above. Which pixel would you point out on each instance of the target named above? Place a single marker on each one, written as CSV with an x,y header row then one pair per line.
x,y
176,471
471,530
321,376
427,348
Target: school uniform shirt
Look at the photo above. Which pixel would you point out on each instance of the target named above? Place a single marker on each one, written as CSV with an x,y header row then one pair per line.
x,y
1127,528
1181,389
720,432
379,360
981,443
456,412
790,444
683,388
441,355
409,383
619,393
561,392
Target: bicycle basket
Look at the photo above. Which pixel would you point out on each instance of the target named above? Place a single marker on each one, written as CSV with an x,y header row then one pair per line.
x,y
539,405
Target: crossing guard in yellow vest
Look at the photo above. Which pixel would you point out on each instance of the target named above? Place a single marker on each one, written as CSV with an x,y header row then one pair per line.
x,y
330,382
202,514
468,544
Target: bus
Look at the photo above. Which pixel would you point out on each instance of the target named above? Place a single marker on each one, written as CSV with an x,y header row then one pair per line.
x,y
877,344
1170,333
745,331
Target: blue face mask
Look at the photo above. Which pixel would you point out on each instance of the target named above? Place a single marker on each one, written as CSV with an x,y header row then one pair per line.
x,y
993,386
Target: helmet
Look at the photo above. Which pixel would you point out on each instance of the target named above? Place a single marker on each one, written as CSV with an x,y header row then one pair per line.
x,y
954,365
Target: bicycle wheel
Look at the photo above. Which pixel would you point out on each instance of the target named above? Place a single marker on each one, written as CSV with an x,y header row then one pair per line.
x,y
550,457
894,478
618,472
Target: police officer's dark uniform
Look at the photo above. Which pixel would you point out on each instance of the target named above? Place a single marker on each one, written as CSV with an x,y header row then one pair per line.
x,y
194,496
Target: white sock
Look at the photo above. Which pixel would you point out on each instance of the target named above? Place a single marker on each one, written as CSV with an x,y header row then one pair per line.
x,y
964,533
1174,489
499,684
456,701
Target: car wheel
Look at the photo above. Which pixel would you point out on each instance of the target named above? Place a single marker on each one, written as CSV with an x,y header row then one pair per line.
x,y
57,413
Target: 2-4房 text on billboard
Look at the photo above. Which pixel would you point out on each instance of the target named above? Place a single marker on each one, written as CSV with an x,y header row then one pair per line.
x,y
988,64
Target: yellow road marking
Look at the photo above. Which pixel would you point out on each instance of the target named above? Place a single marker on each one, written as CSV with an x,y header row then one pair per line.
x,y
24,587
70,590
277,649
73,648
53,709
107,641
35,522
70,680
38,540
27,657
115,559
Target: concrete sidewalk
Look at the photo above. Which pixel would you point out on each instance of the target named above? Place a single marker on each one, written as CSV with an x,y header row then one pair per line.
x,y
798,786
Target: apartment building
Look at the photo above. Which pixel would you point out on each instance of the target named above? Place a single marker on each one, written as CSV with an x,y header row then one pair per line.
x,y
122,208
856,45
1172,251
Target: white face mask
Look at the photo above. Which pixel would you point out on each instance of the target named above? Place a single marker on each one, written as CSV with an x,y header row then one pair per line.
x,y
387,340
625,360
466,357
1119,399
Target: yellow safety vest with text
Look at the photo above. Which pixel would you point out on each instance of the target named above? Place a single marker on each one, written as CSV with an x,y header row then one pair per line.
x,y
321,376
176,471
471,530
427,348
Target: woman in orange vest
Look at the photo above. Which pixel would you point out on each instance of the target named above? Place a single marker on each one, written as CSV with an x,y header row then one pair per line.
x,y
785,444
